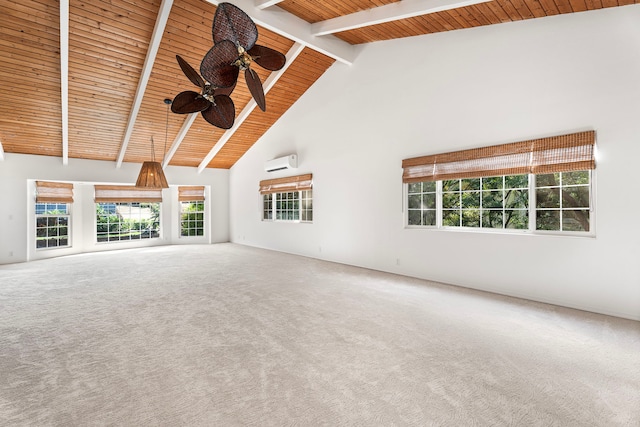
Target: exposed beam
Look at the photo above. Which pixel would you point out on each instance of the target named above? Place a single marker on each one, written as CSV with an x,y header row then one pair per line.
x,y
387,13
263,4
292,54
64,77
186,125
154,44
290,26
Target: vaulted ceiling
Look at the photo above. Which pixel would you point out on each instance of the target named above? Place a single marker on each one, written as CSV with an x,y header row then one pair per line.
x,y
87,78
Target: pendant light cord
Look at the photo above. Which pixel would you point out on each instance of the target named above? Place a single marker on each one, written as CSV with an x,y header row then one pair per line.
x,y
166,130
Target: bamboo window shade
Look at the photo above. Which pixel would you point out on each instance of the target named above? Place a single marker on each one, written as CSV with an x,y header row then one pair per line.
x,y
282,185
562,153
190,193
54,192
126,194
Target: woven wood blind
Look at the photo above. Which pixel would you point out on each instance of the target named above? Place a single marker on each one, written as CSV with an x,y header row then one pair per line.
x,y
190,193
545,155
282,185
126,194
54,192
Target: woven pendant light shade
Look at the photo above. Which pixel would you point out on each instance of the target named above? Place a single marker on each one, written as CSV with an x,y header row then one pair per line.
x,y
152,176
151,173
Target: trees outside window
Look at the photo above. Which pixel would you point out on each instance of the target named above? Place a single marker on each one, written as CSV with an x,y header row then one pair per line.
x,y
563,201
295,206
52,225
127,221
192,218
556,202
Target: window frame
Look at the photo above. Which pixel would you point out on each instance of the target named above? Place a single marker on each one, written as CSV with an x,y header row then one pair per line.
x,y
67,215
120,240
181,220
531,209
273,201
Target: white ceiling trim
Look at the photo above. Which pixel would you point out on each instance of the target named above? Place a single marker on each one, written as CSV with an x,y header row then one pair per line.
x,y
1,152
292,54
186,125
387,13
64,77
290,26
266,3
154,44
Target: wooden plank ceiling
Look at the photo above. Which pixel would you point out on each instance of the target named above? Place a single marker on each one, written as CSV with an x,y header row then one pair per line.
x,y
109,41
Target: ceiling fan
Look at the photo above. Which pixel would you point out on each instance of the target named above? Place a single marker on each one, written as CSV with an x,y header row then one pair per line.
x,y
234,50
214,103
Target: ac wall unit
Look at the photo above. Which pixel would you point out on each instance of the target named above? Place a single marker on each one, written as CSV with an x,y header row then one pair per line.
x,y
286,162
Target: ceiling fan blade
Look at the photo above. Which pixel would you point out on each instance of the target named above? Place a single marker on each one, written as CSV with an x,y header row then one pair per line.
x,y
267,58
231,23
188,102
191,74
255,87
222,113
217,65
225,90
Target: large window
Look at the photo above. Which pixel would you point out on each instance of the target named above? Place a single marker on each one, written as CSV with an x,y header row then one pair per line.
x,y
288,206
127,221
538,185
562,202
287,199
52,225
125,213
491,202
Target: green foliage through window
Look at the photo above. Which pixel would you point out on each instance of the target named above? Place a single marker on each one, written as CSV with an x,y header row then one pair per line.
x,y
192,218
562,202
127,221
288,206
52,225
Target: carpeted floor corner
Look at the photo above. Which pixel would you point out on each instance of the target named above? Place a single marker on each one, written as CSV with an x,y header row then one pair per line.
x,y
228,335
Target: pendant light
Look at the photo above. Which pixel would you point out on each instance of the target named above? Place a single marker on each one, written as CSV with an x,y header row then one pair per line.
x,y
151,174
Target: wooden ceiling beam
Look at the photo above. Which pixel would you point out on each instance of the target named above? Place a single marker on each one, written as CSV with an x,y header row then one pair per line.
x,y
154,44
387,13
290,26
291,55
64,78
263,4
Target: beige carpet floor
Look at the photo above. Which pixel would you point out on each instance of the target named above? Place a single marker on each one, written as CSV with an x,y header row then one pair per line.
x,y
228,335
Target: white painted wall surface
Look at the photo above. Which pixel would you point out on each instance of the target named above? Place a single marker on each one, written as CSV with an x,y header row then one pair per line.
x,y
18,173
453,91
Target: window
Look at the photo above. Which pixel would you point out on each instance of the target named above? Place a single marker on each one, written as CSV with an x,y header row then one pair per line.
x,y
491,202
422,203
52,225
538,185
52,214
127,221
287,199
289,206
563,201
192,208
192,218
125,213
267,207
306,206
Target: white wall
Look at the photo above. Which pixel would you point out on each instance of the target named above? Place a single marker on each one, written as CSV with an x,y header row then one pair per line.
x,y
17,175
452,91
